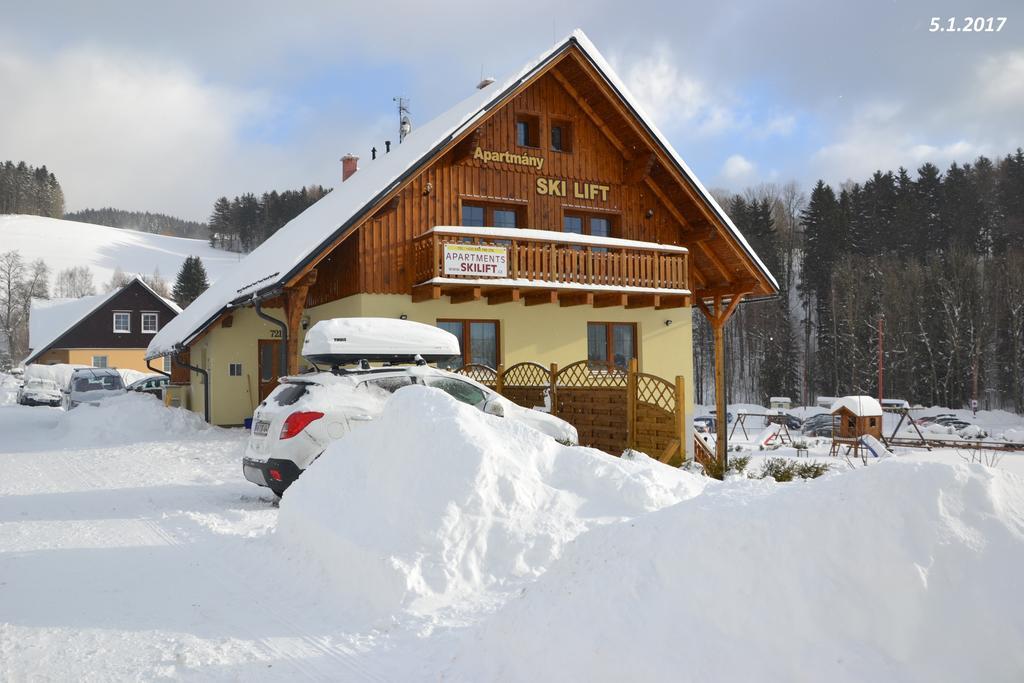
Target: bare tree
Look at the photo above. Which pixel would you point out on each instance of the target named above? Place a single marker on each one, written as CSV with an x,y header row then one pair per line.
x,y
74,283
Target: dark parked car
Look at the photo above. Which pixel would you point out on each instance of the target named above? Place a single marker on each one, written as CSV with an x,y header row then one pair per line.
x,y
154,384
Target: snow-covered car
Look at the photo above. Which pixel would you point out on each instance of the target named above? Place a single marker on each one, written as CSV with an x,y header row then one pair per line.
x,y
92,385
153,384
38,391
305,413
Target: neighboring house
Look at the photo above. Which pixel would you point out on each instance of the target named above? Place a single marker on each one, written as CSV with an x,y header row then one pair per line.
x,y
544,219
105,331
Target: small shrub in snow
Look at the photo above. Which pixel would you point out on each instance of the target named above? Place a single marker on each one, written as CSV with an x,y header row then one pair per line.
x,y
783,469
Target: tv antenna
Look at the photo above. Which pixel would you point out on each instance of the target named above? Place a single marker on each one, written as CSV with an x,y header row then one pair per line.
x,y
404,122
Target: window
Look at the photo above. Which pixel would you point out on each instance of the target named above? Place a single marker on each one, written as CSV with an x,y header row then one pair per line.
x,y
611,343
234,369
388,384
167,363
150,322
561,136
459,390
478,342
597,225
122,321
528,130
491,215
99,361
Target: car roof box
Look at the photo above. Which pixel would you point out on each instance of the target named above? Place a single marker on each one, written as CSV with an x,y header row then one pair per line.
x,y
343,341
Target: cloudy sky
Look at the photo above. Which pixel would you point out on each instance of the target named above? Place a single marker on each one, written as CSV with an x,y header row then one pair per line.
x,y
166,106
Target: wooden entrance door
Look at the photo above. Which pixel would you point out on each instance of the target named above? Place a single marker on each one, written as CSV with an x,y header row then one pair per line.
x,y
270,365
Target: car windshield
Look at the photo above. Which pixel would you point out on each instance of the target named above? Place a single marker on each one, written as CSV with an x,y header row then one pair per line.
x,y
99,383
459,390
41,384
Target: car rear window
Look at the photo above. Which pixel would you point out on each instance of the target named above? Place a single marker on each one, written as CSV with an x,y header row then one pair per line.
x,y
290,393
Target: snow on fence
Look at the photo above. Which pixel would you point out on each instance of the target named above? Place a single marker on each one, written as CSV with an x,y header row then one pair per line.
x,y
612,408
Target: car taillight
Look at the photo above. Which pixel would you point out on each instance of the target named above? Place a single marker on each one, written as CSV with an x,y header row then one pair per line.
x,y
296,422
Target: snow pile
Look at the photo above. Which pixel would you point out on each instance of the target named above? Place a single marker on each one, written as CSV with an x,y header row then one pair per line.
x,y
1013,435
897,572
128,418
436,503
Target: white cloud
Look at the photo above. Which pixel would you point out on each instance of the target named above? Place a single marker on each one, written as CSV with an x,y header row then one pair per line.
x,y
145,134
674,99
738,169
1002,79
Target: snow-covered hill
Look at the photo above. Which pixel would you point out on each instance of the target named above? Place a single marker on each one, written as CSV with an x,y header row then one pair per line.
x,y
63,244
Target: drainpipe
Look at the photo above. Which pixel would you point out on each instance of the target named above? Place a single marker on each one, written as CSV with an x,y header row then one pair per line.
x,y
152,369
284,336
206,385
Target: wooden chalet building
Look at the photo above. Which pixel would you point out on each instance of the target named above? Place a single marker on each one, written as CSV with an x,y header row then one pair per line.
x,y
544,218
105,331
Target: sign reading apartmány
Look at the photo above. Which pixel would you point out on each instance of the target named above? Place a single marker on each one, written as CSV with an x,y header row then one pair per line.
x,y
475,259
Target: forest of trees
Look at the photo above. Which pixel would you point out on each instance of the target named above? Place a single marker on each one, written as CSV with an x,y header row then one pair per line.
x,y
30,190
937,257
142,221
243,223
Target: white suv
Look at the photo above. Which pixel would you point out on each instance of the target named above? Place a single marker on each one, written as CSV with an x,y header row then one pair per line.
x,y
303,415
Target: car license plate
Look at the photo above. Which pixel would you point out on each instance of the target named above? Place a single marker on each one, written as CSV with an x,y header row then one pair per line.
x,y
260,428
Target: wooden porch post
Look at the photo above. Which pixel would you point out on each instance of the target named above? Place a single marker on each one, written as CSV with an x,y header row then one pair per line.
x,y
295,305
717,317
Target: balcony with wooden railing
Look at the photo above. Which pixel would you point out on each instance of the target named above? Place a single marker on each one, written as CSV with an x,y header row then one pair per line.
x,y
544,266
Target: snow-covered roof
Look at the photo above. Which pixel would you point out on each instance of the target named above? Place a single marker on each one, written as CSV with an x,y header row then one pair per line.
x,y
282,256
49,319
861,406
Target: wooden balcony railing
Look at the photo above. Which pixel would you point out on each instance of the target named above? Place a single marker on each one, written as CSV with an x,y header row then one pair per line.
x,y
543,258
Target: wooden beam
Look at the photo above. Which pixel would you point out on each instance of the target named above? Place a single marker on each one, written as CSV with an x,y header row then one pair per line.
x,y
503,296
701,234
671,301
667,203
464,150
576,299
542,297
732,307
643,301
703,307
610,300
638,168
462,296
732,289
295,306
588,110
425,293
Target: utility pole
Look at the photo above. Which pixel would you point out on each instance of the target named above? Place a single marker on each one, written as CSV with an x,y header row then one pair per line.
x,y
881,358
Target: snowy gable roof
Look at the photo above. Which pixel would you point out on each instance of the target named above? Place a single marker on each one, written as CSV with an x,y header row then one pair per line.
x,y
49,319
861,406
281,256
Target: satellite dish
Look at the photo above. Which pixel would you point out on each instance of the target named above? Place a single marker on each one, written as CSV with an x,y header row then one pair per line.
x,y
405,127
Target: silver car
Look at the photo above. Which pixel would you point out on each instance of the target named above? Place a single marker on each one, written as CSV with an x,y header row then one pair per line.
x,y
92,385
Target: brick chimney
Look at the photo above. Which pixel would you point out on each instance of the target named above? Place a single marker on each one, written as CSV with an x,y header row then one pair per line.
x,y
349,165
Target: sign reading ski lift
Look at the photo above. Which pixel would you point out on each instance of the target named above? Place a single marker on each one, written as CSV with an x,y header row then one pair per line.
x,y
475,260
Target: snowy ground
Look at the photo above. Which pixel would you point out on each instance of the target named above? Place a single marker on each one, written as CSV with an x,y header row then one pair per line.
x,y
443,544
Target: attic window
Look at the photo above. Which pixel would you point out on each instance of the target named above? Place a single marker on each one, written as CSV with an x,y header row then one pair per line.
x,y
527,130
122,322
561,136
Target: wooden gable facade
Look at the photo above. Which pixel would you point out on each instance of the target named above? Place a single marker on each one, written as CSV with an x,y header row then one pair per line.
x,y
612,167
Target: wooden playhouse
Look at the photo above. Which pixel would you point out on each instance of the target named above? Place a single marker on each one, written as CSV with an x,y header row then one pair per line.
x,y
854,417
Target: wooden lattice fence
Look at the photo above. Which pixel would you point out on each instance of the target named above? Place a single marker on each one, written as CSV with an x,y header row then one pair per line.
x,y
611,408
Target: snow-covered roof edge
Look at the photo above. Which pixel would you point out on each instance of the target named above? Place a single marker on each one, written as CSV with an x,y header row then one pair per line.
x,y
380,178
78,314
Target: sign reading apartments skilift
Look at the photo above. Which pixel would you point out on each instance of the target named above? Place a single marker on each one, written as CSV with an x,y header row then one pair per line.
x,y
475,259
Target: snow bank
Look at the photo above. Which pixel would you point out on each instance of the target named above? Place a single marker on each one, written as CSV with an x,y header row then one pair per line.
x,y
128,418
896,572
436,503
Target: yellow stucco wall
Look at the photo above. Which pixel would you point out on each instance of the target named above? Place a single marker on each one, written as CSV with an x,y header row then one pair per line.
x,y
131,359
545,334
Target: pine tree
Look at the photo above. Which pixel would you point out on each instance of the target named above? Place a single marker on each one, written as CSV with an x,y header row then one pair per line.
x,y
191,281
